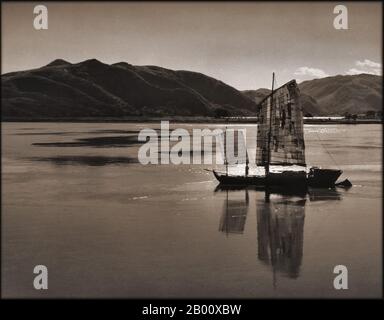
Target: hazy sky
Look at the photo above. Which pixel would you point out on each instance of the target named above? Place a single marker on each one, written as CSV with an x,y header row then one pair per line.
x,y
238,43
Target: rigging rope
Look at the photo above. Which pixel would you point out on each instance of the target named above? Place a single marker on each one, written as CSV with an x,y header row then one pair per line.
x,y
330,155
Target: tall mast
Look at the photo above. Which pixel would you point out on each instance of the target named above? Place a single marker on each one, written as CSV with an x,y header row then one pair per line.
x,y
270,128
246,155
246,163
225,151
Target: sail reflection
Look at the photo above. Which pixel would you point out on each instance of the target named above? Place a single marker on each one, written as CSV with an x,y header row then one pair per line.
x,y
280,223
280,226
234,214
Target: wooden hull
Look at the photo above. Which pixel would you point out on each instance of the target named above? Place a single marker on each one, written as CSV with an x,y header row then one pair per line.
x,y
323,177
239,180
286,179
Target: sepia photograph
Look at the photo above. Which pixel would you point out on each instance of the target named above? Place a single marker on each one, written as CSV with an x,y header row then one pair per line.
x,y
191,150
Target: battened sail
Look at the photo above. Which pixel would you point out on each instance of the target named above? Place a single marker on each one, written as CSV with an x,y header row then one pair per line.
x,y
286,142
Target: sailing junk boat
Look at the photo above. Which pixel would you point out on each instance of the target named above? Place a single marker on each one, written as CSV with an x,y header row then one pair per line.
x,y
280,143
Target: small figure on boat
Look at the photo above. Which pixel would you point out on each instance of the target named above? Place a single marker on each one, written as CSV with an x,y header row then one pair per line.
x,y
281,147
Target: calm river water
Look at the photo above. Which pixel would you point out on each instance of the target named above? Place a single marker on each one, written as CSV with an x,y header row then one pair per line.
x,y
76,200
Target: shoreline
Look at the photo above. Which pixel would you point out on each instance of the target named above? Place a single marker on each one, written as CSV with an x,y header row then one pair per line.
x,y
185,120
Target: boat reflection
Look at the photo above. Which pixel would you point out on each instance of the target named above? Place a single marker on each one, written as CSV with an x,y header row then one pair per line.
x,y
234,215
280,223
280,228
324,194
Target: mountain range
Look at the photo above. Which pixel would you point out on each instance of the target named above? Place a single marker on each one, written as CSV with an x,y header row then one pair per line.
x,y
337,95
92,89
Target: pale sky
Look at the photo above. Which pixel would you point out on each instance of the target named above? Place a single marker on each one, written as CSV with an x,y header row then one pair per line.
x,y
240,43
